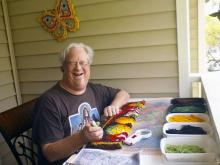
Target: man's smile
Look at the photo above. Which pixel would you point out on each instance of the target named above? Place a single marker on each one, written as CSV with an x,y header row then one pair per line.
x,y
78,75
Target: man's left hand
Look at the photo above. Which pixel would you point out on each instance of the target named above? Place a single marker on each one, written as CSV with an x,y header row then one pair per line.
x,y
111,110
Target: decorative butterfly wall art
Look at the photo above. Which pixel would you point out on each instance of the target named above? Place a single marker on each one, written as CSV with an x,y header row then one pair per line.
x,y
60,20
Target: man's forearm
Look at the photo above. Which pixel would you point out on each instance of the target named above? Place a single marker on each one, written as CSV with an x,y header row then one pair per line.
x,y
63,148
121,98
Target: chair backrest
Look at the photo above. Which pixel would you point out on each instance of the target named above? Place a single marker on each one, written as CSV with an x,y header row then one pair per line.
x,y
14,124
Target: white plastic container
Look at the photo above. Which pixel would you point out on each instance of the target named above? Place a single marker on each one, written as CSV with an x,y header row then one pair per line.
x,y
205,142
203,116
178,125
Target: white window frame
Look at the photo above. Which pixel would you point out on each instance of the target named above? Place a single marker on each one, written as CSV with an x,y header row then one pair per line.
x,y
183,45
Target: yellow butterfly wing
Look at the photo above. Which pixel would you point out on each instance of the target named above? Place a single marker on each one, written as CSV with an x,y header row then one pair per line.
x,y
48,20
72,23
51,22
67,14
60,32
65,8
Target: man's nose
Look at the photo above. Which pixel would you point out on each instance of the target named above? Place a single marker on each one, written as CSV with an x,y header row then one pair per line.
x,y
77,65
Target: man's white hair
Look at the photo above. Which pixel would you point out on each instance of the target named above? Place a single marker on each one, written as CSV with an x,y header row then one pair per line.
x,y
67,50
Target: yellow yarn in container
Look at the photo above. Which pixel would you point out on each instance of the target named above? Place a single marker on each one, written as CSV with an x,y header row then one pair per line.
x,y
185,118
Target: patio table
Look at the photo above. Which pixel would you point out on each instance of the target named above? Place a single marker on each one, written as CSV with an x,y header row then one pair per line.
x,y
153,118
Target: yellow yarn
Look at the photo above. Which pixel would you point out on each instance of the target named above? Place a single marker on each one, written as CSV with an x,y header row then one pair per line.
x,y
117,129
125,120
185,118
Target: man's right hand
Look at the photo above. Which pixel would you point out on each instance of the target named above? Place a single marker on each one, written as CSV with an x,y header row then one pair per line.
x,y
91,133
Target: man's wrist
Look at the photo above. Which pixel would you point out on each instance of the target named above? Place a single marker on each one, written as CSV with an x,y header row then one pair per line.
x,y
115,106
83,137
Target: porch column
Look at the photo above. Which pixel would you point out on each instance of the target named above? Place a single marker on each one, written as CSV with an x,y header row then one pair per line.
x,y
183,45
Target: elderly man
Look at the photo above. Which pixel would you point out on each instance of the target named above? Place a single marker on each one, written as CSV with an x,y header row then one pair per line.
x,y
59,127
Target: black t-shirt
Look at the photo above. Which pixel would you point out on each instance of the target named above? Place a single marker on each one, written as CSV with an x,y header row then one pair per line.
x,y
59,113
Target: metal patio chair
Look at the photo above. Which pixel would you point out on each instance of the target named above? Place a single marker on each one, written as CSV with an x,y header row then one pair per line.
x,y
15,126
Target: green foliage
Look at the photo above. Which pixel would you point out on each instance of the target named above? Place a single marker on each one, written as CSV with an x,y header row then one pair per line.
x,y
212,31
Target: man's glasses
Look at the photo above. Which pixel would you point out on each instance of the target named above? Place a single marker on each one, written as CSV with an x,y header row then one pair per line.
x,y
81,63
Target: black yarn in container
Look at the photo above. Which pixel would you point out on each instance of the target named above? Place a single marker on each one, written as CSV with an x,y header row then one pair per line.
x,y
187,129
